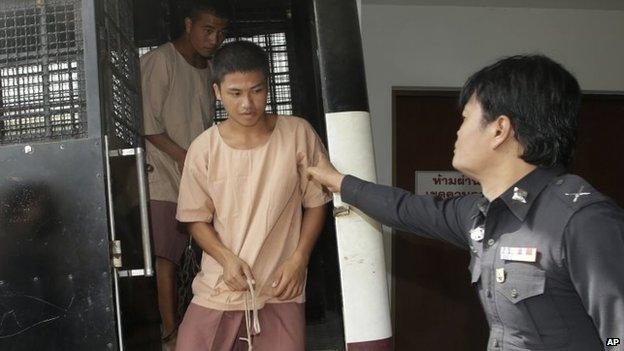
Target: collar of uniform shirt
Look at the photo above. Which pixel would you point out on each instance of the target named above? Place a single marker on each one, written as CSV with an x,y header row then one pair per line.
x,y
533,183
483,205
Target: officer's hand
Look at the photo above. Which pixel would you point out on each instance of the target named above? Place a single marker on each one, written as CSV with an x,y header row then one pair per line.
x,y
326,174
236,273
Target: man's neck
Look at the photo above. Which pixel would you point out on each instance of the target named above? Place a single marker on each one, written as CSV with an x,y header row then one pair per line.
x,y
261,128
247,137
496,181
184,47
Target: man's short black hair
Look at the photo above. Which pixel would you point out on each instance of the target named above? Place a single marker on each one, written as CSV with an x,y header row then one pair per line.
x,y
193,9
218,8
239,56
540,97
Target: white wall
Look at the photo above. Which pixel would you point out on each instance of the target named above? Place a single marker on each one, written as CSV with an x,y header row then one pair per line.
x,y
437,46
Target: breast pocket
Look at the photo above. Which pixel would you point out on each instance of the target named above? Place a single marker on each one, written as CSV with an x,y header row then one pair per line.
x,y
527,310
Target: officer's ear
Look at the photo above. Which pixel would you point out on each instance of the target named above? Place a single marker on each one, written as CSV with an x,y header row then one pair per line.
x,y
502,131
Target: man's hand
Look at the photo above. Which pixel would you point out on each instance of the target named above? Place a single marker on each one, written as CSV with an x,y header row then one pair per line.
x,y
290,278
326,174
164,143
236,273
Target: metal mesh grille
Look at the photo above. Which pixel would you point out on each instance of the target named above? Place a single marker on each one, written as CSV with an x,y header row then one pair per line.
x,y
41,72
279,100
145,49
122,70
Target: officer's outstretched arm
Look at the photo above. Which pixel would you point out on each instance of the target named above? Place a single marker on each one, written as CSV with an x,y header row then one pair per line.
x,y
594,255
446,220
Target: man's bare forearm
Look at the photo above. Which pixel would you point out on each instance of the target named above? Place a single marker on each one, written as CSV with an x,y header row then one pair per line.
x,y
208,239
311,226
164,143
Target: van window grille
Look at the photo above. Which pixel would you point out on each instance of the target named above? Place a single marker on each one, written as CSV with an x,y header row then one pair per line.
x,y
121,67
41,72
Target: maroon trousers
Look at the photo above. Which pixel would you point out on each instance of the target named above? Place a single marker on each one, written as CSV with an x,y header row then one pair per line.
x,y
205,329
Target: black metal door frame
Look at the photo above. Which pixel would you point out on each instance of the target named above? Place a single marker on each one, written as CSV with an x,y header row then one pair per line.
x,y
69,134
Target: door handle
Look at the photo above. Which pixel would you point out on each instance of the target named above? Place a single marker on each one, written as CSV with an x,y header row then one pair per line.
x,y
143,199
148,266
111,219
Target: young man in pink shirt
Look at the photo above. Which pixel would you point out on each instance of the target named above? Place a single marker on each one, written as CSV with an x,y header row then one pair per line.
x,y
254,213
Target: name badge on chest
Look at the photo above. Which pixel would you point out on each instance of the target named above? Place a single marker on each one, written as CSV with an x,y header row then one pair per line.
x,y
524,254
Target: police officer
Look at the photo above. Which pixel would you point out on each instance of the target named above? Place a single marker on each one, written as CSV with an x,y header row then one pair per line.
x,y
547,249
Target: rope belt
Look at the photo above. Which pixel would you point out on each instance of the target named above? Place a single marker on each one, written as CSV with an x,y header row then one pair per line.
x,y
252,322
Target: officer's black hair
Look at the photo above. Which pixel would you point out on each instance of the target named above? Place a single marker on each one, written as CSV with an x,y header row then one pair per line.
x,y
540,97
239,56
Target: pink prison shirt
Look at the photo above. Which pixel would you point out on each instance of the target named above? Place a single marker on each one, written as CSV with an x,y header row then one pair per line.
x,y
254,200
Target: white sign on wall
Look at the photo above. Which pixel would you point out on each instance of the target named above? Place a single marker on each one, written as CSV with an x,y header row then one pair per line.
x,y
445,184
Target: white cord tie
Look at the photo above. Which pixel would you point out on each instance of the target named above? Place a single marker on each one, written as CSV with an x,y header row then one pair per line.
x,y
252,322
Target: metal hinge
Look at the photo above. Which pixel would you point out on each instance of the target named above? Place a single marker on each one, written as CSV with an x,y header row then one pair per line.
x,y
116,253
129,273
121,152
341,211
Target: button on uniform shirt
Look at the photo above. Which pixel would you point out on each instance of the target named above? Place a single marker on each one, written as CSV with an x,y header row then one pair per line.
x,y
547,256
254,199
177,100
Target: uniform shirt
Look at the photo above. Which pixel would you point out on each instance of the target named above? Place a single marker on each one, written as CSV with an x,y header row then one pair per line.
x,y
570,296
177,100
254,199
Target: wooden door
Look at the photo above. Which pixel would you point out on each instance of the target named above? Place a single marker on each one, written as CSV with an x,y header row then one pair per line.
x,y
600,143
435,306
